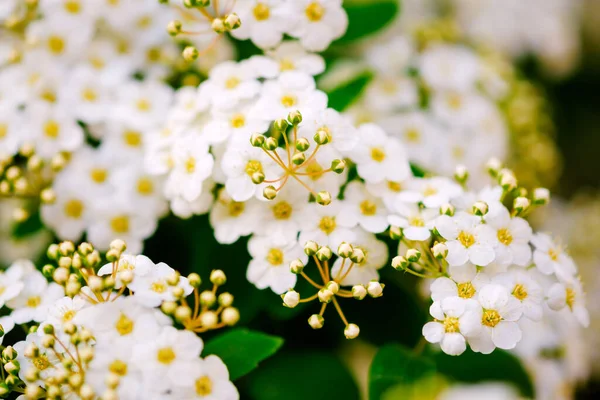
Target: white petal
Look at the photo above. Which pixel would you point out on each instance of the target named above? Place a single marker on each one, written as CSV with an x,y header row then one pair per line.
x,y
480,254
453,344
433,332
506,335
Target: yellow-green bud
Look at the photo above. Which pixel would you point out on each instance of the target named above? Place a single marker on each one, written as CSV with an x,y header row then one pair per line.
x,y
323,198
270,192
302,144
257,140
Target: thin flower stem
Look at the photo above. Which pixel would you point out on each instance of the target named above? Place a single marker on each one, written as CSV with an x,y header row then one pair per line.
x,y
287,147
309,159
337,276
314,173
275,180
323,307
347,272
345,295
304,184
311,298
282,183
339,310
323,271
196,303
274,159
217,326
310,280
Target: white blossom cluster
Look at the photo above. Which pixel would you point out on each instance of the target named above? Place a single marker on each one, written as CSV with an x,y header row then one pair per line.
x,y
98,343
442,102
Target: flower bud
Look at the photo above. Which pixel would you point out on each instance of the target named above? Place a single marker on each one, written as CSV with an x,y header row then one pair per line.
x,y
257,177
399,263
270,143
333,287
218,25
396,233
316,321
232,21
257,140
493,166
269,192
311,248
439,250
413,255
298,158
281,125
521,204
207,298
209,319
174,28
194,280
325,296
338,166
375,289
480,208
541,196
118,245
461,174
183,313
447,209
323,197
359,292
52,252
295,117
357,256
190,53
351,331
296,266
322,137
12,367
345,250
302,144
168,307
324,253
48,196
507,180
225,299
291,298
230,316
60,275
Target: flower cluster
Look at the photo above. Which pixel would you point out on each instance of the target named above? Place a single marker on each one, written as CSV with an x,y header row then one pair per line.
x,y
492,274
120,330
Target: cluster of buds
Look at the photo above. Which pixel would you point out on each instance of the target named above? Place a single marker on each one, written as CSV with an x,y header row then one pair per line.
x,y
330,288
219,21
298,165
27,176
209,311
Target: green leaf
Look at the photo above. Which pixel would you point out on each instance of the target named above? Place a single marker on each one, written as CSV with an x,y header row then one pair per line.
x,y
476,367
310,375
368,17
396,365
242,350
31,225
344,95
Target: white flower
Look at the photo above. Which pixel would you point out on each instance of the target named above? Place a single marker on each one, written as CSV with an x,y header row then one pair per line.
x,y
489,391
376,256
54,129
88,97
141,188
386,190
466,239
69,214
510,238
550,258
362,208
45,362
320,22
416,222
11,132
33,301
390,93
343,137
263,21
7,325
230,83
569,294
393,56
497,316
325,226
291,55
449,67
454,321
152,288
237,123
464,281
270,264
379,157
206,379
11,283
432,192
522,285
63,310
159,358
283,215
143,105
138,265
232,219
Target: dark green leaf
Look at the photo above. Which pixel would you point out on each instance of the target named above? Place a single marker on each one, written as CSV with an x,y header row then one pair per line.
x,y
242,350
368,17
28,227
299,376
476,367
343,96
396,365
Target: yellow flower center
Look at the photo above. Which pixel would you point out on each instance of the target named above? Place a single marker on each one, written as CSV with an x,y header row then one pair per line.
x,y
288,100
554,253
125,266
132,138
368,208
3,130
145,186
261,11
252,167
327,225
429,191
203,386
275,257
519,292
412,135
73,209
34,301
570,298
377,154
120,224
454,101
505,237
458,153
466,239
144,22
41,362
286,65
72,6
314,170
314,11
166,355
153,54
190,165
124,325
416,221
394,186
232,82
89,95
282,210
68,315
48,95
158,287
143,105
235,208
56,44
118,367
52,129
490,318
99,175
451,325
466,290
97,62
238,121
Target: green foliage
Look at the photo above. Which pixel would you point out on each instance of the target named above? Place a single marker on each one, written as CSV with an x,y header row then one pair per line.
x,y
242,350
476,367
344,95
368,17
31,225
310,375
396,365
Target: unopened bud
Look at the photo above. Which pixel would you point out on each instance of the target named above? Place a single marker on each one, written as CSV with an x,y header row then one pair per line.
x,y
207,298
413,255
296,266
291,298
257,140
399,263
375,289
351,331
281,125
447,209
302,144
324,253
190,53
225,299
230,316
322,137
345,250
439,250
298,158
461,174
218,25
541,196
269,192
323,197
521,204
357,256
316,321
325,296
493,166
174,28
396,233
311,248
359,292
480,208
333,287
232,21
194,280
270,143
295,117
